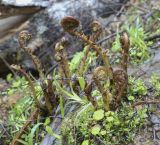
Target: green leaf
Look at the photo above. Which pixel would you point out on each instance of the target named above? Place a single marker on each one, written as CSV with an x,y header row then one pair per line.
x,y
75,61
85,142
47,121
50,132
130,98
109,113
116,45
61,106
9,77
110,119
81,82
72,95
98,115
95,129
31,135
103,132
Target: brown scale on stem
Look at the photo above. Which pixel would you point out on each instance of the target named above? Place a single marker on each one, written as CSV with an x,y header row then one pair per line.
x,y
100,75
70,24
23,38
125,44
88,91
120,76
120,85
61,58
96,29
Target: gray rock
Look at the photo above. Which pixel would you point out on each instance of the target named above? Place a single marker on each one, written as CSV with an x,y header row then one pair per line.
x,y
43,3
155,119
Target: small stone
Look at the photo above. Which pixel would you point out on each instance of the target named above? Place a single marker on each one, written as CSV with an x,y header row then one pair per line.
x,y
142,139
155,119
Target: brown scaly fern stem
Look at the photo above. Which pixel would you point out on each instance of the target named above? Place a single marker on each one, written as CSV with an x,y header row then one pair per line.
x,y
125,44
96,32
23,38
99,75
88,91
61,58
120,76
70,24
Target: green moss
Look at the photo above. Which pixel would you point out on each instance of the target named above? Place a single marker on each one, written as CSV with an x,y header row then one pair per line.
x,y
108,126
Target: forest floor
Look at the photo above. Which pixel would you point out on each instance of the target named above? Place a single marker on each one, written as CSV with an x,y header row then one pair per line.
x,y
146,15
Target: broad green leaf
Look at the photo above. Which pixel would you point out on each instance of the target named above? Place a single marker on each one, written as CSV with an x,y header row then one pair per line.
x,y
109,113
9,77
110,119
95,129
130,98
85,142
98,115
116,45
75,61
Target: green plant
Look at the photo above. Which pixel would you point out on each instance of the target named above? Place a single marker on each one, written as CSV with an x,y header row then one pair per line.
x,y
16,84
105,124
139,51
155,81
98,92
137,87
111,127
49,130
116,46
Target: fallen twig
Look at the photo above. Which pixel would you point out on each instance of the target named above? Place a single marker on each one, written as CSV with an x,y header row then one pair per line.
x,y
152,37
32,117
107,37
146,102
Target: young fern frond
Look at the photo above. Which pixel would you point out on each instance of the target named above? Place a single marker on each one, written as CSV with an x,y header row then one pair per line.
x,y
70,25
99,75
31,84
23,38
61,58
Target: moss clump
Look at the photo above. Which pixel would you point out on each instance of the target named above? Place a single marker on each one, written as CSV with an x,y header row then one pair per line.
x,y
98,127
